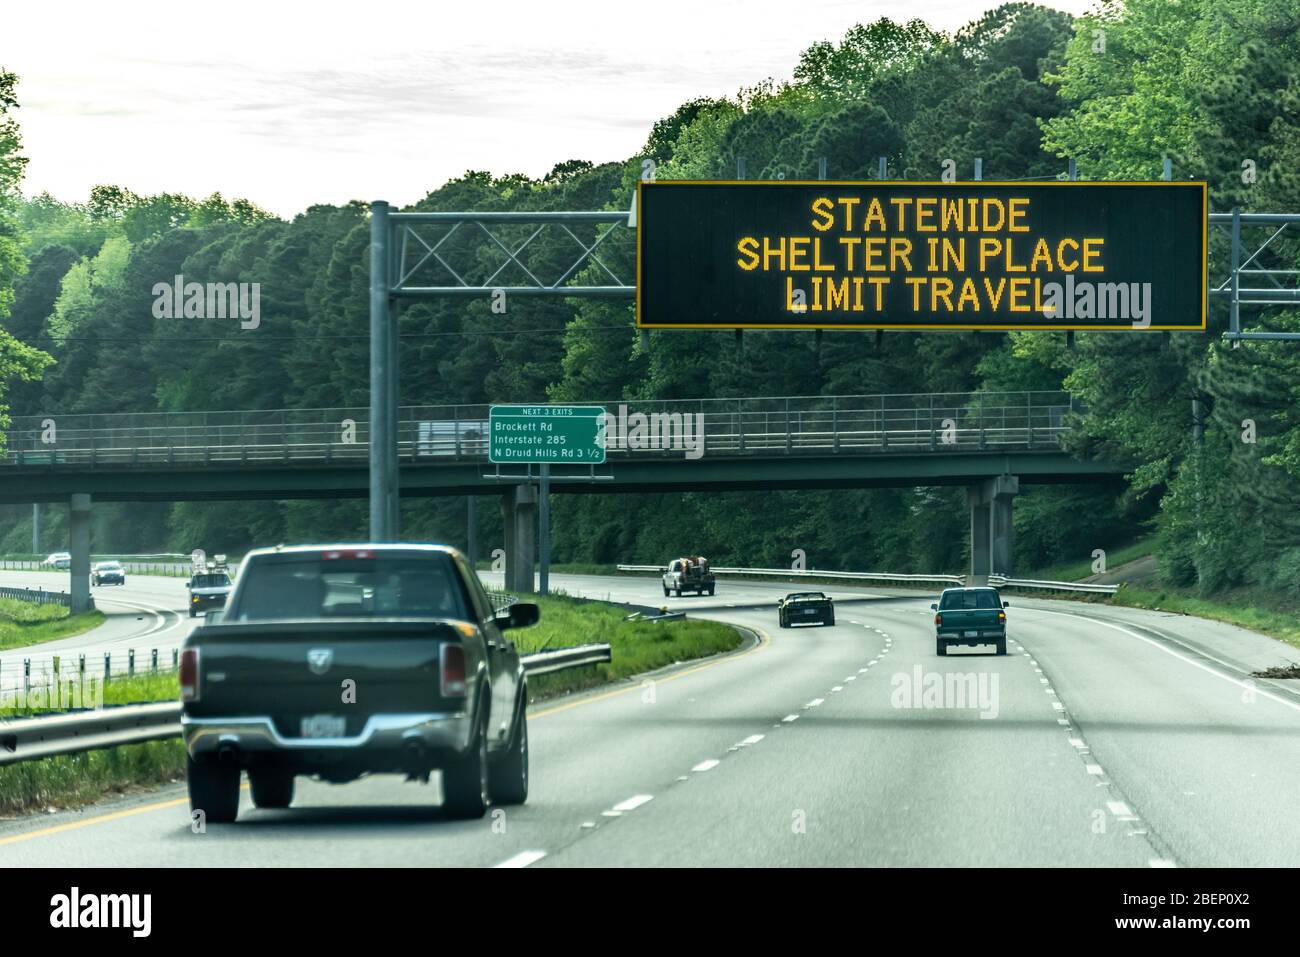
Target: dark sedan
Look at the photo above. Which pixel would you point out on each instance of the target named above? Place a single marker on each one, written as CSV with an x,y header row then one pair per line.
x,y
805,607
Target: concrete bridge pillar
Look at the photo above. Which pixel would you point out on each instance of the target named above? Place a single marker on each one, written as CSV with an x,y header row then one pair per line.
x,y
979,538
992,535
79,547
519,514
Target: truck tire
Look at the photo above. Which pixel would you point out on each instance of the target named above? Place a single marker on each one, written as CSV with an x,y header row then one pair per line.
x,y
830,619
214,790
780,617
679,593
665,591
1001,646
508,773
465,780
711,587
191,611
271,787
941,648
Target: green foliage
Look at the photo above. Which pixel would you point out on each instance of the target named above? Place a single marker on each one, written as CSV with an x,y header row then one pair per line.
x,y
1210,83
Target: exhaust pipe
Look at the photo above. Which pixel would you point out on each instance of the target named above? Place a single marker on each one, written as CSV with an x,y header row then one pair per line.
x,y
228,754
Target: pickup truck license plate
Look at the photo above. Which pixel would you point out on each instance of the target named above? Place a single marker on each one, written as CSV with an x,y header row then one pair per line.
x,y
323,726
810,611
972,634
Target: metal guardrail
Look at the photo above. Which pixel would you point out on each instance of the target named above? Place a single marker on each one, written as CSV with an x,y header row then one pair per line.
x,y
998,581
29,739
812,573
40,596
545,662
788,425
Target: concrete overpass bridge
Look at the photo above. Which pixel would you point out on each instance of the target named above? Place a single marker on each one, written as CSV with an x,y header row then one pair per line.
x,y
988,442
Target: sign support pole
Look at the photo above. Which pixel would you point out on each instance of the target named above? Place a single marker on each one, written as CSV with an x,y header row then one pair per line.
x,y
382,441
544,529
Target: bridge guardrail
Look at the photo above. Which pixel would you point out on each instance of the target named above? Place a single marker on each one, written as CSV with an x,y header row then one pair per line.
x,y
788,425
29,739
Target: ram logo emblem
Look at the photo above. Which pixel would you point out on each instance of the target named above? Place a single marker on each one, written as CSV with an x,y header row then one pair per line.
x,y
319,660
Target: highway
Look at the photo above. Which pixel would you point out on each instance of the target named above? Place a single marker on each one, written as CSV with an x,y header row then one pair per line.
x,y
1107,737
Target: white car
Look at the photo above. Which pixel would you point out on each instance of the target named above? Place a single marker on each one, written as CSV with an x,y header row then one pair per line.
x,y
59,560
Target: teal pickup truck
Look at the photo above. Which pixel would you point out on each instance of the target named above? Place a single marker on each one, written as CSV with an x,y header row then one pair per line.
x,y
970,616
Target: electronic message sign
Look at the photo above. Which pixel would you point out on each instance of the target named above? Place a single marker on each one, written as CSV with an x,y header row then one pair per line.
x,y
906,255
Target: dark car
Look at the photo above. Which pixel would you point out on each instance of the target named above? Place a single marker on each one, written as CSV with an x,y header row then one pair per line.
x,y
108,573
970,616
345,660
805,607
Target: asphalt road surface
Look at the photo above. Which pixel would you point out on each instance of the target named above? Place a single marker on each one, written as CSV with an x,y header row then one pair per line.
x,y
1106,737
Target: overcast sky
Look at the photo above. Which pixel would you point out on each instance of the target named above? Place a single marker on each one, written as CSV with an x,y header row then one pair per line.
x,y
290,104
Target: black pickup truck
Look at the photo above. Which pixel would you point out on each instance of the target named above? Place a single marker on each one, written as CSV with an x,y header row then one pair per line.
x,y
343,660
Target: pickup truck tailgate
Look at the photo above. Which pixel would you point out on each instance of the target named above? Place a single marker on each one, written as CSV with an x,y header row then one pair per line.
x,y
295,669
974,619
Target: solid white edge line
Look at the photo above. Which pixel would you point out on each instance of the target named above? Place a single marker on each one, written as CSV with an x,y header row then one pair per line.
x,y
1183,658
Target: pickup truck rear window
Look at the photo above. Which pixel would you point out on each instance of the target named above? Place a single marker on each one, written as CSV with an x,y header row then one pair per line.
x,y
961,600
306,587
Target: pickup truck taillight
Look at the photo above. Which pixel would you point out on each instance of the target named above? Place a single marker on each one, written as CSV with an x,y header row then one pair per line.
x,y
1002,616
938,619
190,674
452,666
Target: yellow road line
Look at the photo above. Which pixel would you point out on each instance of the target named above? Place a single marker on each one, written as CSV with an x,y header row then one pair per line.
x,y
764,641
101,819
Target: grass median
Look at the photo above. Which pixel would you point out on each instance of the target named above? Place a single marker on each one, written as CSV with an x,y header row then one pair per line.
x,y
25,623
636,646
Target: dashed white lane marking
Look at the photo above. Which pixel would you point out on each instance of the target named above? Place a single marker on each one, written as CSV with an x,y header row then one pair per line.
x,y
815,703
708,765
790,717
752,739
634,802
1094,769
523,859
1120,809
1077,743
851,678
587,824
1160,862
1042,681
837,689
1064,721
852,622
611,813
1058,706
862,671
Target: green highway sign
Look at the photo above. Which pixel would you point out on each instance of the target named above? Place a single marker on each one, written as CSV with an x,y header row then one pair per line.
x,y
546,434
909,255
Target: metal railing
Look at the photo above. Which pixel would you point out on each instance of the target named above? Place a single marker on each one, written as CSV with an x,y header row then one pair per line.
x,y
40,596
43,736
997,581
787,425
